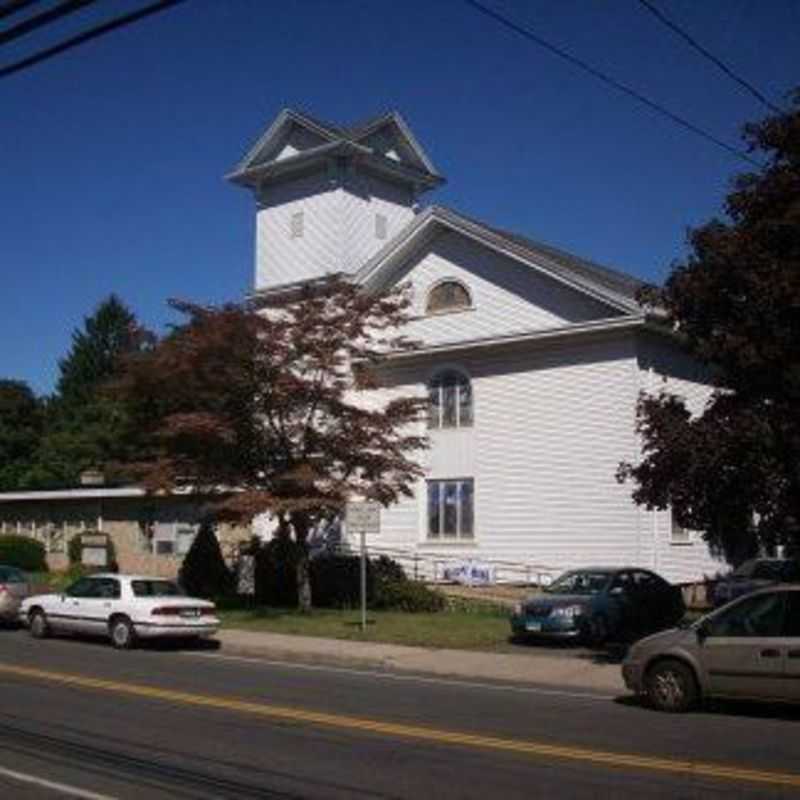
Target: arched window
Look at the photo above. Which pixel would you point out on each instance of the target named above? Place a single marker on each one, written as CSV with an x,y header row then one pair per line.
x,y
450,400
447,296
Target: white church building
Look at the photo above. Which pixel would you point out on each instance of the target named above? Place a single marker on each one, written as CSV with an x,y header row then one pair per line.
x,y
533,358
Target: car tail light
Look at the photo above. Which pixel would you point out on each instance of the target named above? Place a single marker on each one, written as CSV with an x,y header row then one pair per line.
x,y
208,612
3,588
166,611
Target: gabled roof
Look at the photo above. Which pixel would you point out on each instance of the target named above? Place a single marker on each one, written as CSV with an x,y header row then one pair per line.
x,y
608,285
259,161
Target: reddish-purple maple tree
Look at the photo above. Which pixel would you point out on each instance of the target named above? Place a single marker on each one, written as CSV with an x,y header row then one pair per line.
x,y
734,471
271,408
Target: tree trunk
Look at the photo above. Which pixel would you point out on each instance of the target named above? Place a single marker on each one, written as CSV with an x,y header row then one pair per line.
x,y
301,527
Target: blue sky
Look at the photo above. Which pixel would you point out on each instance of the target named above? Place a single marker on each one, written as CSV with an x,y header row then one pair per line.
x,y
112,154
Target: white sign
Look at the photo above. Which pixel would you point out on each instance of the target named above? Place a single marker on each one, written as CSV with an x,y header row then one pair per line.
x,y
363,517
94,556
470,573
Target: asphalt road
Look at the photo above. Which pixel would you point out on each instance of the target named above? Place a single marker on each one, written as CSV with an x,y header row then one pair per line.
x,y
78,719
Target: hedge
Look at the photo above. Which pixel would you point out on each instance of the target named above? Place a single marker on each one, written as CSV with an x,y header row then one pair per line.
x,y
23,552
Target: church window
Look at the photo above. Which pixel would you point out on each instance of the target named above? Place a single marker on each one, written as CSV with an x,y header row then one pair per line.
x,y
448,296
450,401
451,509
297,224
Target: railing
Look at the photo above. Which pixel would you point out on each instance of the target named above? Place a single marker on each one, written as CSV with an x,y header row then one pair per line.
x,y
435,567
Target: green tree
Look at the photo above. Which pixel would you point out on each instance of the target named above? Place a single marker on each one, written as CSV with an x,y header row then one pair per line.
x,y
203,572
270,402
85,426
21,416
734,471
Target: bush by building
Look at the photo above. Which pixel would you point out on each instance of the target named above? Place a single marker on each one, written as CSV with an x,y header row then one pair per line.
x,y
204,572
23,552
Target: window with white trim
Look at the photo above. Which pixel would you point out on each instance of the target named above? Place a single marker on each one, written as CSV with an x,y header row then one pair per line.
x,y
451,509
448,295
173,538
450,400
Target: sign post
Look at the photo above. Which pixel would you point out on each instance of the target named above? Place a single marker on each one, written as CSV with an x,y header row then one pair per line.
x,y
363,518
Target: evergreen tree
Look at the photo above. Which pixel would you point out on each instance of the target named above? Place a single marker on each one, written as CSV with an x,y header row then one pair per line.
x,y
85,426
21,416
204,572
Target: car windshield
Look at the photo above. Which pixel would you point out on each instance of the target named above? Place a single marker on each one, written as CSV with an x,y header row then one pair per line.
x,y
156,588
580,582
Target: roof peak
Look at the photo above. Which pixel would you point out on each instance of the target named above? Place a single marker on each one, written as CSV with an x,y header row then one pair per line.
x,y
398,145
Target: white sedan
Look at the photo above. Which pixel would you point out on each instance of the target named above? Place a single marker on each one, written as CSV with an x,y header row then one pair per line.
x,y
123,607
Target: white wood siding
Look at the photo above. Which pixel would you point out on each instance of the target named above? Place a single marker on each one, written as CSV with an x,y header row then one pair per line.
x,y
551,426
507,296
281,259
363,197
338,226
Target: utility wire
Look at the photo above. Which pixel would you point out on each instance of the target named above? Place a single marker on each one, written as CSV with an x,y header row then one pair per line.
x,y
13,6
51,15
665,20
563,54
92,33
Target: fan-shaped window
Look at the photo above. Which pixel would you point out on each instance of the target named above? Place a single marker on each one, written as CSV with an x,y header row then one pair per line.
x,y
450,401
448,296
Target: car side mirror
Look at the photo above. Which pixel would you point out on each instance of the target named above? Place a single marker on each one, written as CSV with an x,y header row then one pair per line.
x,y
703,630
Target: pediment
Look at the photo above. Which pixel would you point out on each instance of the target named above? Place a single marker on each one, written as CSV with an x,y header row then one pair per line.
x,y
514,284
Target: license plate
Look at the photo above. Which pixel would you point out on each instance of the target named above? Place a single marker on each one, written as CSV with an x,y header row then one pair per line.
x,y
190,614
534,626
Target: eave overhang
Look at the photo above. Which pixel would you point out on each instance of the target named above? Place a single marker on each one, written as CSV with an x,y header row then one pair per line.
x,y
631,323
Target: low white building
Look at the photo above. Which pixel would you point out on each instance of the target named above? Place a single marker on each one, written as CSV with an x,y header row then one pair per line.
x,y
533,358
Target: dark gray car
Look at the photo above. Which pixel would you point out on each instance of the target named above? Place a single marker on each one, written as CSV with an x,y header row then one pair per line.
x,y
757,573
748,649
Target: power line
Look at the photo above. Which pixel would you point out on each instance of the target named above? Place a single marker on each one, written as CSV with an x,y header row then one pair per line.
x,y
13,6
661,17
92,33
563,54
51,15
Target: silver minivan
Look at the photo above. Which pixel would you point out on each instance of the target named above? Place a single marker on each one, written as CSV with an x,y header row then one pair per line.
x,y
747,649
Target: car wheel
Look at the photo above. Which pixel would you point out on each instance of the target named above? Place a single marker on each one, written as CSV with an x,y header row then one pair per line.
x,y
38,625
122,633
671,686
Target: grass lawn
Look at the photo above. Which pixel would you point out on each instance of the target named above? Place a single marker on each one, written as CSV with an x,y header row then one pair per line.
x,y
473,629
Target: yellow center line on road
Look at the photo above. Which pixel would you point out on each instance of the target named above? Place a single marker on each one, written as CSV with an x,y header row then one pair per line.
x,y
696,769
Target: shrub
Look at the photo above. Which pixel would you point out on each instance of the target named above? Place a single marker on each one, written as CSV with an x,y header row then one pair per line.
x,y
203,572
276,573
336,581
23,552
405,595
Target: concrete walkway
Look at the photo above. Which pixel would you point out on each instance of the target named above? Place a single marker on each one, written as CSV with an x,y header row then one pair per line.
x,y
575,672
